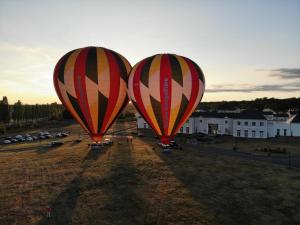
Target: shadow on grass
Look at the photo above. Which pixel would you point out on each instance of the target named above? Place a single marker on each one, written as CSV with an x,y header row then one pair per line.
x,y
46,149
63,206
125,205
236,192
122,204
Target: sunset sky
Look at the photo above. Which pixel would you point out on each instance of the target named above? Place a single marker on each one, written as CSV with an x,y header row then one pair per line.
x,y
246,49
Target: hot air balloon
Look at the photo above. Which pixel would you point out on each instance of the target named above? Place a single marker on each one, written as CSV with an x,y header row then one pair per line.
x,y
166,89
91,83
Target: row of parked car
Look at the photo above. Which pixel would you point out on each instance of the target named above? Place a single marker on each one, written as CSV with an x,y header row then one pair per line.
x,y
28,137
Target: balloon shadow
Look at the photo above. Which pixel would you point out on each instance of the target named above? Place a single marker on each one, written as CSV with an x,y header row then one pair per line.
x,y
63,206
122,205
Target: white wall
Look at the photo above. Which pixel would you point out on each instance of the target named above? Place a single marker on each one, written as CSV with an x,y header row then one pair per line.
x,y
257,128
141,123
295,129
269,128
224,125
273,126
188,127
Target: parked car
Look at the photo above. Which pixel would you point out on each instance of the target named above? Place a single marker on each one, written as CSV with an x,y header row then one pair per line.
x,y
21,139
18,136
56,143
13,140
27,135
42,137
46,132
49,136
58,135
29,139
6,142
64,134
173,144
35,138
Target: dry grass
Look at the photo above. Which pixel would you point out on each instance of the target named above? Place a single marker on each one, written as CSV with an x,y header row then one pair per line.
x,y
136,184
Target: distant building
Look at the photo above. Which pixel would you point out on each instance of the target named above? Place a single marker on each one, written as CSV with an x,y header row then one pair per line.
x,y
295,126
246,124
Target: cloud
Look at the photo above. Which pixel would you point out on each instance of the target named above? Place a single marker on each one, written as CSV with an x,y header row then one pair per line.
x,y
286,73
247,88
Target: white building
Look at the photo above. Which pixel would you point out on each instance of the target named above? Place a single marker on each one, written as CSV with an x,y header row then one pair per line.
x,y
295,126
245,124
252,125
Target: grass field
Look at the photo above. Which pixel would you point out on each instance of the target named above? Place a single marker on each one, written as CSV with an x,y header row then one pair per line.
x,y
136,184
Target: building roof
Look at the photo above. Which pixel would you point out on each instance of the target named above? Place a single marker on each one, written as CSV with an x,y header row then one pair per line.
x,y
252,116
281,115
212,114
244,115
296,119
268,113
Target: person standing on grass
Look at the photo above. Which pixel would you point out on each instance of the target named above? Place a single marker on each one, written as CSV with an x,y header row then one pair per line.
x,y
48,211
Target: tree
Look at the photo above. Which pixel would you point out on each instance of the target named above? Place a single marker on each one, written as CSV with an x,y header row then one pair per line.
x,y
18,112
4,110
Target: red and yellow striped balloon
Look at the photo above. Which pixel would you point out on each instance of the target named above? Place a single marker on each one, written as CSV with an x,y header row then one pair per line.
x,y
166,89
91,83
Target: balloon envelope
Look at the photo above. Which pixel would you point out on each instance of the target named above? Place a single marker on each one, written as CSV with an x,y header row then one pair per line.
x,y
91,83
166,89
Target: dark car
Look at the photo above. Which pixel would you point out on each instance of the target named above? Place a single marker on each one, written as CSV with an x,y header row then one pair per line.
x,y
56,143
14,140
173,144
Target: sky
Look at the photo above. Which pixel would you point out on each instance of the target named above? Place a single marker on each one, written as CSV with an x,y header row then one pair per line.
x,y
246,49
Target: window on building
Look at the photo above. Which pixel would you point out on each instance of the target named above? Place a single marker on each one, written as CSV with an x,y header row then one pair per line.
x,y
200,121
226,121
238,122
253,134
238,133
145,125
261,134
253,123
226,131
246,123
181,129
245,133
284,132
187,130
278,132
261,124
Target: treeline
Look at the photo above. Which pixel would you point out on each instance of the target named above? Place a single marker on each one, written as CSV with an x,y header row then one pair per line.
x,y
278,105
20,112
